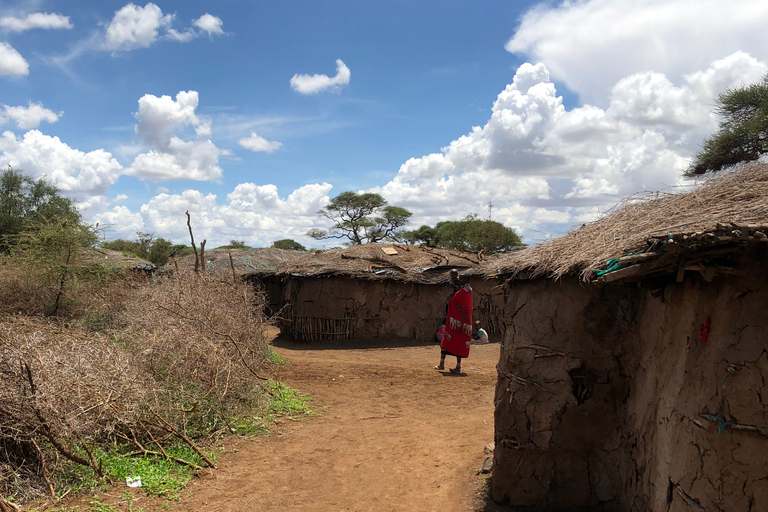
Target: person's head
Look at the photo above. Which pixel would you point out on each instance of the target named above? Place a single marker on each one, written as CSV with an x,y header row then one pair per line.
x,y
464,278
477,323
454,273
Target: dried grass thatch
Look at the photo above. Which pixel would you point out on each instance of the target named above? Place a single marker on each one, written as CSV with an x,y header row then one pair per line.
x,y
736,198
409,263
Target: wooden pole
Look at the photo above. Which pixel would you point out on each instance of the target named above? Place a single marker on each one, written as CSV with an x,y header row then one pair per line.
x,y
192,238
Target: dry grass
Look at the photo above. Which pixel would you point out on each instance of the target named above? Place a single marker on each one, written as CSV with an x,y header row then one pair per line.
x,y
134,364
739,197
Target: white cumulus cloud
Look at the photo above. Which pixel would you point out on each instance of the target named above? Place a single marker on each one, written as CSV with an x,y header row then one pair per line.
x,y
42,20
209,24
313,84
77,173
251,212
28,117
11,61
257,143
542,164
161,122
134,27
590,45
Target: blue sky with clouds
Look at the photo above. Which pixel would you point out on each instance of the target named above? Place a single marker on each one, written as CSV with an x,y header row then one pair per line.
x,y
252,114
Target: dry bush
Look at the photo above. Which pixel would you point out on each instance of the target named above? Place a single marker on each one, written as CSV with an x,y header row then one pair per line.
x,y
21,291
173,361
25,290
203,338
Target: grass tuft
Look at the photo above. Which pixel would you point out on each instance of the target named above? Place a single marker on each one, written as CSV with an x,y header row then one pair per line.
x,y
287,401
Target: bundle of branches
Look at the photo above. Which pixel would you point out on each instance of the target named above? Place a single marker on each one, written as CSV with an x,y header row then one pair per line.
x,y
62,392
181,362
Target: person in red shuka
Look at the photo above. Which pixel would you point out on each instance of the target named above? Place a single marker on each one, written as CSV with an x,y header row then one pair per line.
x,y
458,325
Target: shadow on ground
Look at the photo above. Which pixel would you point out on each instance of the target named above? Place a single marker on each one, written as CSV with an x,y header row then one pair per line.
x,y
286,342
283,341
488,505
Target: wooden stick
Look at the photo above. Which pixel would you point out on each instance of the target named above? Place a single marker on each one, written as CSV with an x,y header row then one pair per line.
x,y
49,433
42,469
232,265
202,256
168,427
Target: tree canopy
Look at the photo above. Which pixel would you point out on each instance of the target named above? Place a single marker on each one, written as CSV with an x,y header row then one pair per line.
x,y
24,200
467,234
363,218
288,244
743,132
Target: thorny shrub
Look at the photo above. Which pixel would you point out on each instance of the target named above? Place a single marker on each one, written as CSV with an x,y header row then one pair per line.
x,y
151,364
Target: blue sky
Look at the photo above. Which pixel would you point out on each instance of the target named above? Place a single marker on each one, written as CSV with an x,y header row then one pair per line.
x,y
552,111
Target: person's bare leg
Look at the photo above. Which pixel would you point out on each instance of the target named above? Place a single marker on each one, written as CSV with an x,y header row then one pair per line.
x,y
441,366
458,366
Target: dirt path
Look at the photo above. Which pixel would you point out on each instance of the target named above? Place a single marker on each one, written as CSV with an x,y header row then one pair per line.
x,y
394,434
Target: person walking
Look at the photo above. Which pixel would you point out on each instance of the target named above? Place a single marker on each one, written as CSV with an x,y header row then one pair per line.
x,y
458,325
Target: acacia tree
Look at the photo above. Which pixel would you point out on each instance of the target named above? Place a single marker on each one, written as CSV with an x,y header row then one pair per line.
x,y
364,218
743,133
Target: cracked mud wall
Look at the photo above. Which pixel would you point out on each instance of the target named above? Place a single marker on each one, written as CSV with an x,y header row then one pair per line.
x,y
375,308
607,398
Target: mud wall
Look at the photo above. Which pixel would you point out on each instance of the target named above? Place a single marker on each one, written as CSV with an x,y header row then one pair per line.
x,y
608,399
341,307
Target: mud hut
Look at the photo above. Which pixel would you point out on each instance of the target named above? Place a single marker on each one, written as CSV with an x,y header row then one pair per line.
x,y
633,375
363,292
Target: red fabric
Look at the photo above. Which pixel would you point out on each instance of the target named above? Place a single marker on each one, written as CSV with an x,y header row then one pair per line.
x,y
704,330
458,324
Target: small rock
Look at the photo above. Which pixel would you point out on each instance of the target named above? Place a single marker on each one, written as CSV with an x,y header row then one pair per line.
x,y
489,447
487,466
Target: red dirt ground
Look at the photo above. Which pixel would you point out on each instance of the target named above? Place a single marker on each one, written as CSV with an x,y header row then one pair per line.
x,y
393,434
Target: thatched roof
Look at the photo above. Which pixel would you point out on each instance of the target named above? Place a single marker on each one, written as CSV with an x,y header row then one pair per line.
x,y
730,209
371,261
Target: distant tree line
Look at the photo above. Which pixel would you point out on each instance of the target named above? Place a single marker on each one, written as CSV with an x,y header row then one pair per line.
x,y
364,218
148,247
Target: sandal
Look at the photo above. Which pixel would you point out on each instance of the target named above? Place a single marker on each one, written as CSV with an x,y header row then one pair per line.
x,y
441,368
455,371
